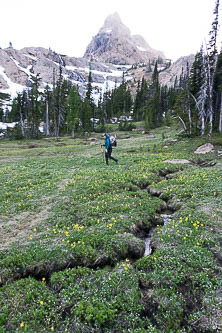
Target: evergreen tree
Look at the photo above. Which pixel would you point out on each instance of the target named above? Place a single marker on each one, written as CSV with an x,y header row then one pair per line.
x,y
73,107
120,101
100,112
183,101
153,114
85,115
47,102
60,94
34,111
19,105
109,104
58,104
89,95
141,100
180,108
218,94
1,114
164,102
199,87
128,101
105,103
137,102
4,100
89,90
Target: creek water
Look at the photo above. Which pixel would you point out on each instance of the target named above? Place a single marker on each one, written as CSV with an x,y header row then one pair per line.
x,y
147,240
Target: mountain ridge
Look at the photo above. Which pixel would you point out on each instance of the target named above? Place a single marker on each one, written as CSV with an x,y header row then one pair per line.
x,y
17,67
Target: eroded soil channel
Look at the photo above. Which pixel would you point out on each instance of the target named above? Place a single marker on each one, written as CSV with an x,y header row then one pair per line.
x,y
164,212
139,242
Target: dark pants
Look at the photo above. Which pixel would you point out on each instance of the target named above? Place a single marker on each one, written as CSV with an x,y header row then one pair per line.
x,y
108,155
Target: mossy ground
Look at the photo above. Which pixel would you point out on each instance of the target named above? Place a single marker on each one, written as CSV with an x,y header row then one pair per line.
x,y
71,259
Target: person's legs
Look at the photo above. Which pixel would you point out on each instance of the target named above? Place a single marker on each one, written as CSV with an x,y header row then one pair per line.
x,y
112,158
109,155
106,157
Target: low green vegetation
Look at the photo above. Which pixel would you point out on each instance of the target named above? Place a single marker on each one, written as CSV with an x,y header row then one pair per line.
x,y
73,230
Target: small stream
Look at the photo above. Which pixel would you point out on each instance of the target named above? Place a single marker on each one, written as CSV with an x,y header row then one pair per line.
x,y
148,249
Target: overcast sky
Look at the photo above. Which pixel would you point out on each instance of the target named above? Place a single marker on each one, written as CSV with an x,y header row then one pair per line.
x,y
176,27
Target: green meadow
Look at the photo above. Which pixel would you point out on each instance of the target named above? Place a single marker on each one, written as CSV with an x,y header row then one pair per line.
x,y
73,231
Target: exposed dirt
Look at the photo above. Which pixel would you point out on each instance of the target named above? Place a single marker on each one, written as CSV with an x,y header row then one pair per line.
x,y
18,227
177,161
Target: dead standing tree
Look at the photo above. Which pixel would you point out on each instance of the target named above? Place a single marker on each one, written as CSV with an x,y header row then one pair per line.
x,y
212,56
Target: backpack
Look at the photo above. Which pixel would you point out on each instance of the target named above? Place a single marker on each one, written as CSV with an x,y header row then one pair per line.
x,y
113,141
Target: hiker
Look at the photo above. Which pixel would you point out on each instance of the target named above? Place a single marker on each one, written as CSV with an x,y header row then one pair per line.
x,y
108,146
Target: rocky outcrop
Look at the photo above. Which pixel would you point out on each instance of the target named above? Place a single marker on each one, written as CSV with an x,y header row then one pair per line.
x,y
204,149
168,77
11,71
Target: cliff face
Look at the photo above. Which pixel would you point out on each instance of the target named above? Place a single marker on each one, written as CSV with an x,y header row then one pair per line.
x,y
115,44
168,76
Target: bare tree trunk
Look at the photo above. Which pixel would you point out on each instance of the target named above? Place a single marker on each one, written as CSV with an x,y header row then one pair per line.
x,y
211,121
22,122
188,100
47,118
59,122
55,125
189,112
202,125
210,95
73,133
220,117
184,125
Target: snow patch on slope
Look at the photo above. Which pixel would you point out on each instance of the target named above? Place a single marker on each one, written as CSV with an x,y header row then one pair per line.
x,y
141,49
14,88
31,57
26,70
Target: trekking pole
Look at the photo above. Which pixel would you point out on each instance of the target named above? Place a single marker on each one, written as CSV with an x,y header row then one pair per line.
x,y
102,153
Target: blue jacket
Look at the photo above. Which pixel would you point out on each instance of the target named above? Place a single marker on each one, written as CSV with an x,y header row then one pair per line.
x,y
107,142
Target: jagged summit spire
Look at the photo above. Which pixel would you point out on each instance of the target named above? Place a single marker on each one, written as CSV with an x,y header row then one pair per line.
x,y
115,18
114,23
115,44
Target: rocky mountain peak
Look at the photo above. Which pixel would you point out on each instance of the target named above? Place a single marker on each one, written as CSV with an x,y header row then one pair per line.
x,y
112,20
115,44
113,24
